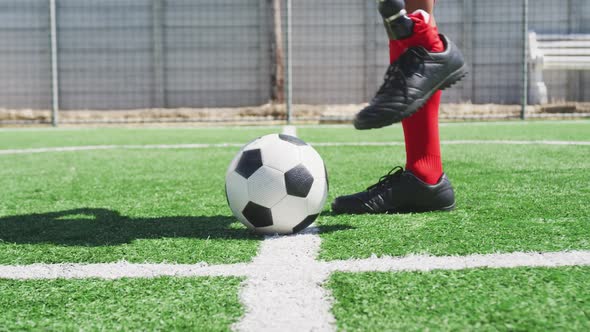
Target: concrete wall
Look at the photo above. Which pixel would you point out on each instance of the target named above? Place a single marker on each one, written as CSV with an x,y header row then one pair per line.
x,y
125,54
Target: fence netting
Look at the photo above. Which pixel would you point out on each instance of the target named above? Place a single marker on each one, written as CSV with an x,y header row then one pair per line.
x,y
223,60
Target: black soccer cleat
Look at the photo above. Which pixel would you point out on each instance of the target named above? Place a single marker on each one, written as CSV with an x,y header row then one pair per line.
x,y
398,192
410,82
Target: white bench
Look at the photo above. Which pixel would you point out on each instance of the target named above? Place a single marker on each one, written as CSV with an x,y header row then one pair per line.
x,y
554,52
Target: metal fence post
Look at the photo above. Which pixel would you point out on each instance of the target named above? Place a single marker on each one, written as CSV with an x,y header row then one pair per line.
x,y
468,34
525,64
289,78
575,79
264,88
370,49
54,64
159,98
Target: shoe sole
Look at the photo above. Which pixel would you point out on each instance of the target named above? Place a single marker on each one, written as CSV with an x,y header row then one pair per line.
x,y
451,80
442,209
448,208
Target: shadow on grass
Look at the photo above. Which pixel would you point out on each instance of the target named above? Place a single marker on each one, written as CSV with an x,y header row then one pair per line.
x,y
103,227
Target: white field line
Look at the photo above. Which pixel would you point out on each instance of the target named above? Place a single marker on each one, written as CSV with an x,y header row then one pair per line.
x,y
117,270
283,291
238,145
457,142
290,260
516,142
169,126
429,263
119,147
283,288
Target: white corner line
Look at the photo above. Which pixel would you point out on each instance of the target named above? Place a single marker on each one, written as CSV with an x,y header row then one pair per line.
x,y
118,270
118,147
239,145
285,280
429,263
309,246
515,142
286,284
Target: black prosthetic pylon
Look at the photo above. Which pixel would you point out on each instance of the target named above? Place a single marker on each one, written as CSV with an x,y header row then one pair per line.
x,y
397,24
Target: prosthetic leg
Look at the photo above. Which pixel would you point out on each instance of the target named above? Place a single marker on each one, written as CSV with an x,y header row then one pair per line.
x,y
397,24
420,60
427,62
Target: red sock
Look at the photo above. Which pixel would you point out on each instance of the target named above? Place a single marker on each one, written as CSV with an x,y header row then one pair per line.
x,y
423,157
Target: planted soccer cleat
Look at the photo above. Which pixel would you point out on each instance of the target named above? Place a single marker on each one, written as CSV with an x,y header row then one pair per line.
x,y
410,82
398,192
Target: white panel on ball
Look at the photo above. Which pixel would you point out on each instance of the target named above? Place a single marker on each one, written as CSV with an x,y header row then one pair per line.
x,y
313,161
237,194
266,186
279,154
317,196
288,213
255,144
257,189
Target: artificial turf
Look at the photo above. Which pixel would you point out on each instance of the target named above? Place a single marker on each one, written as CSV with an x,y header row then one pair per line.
x,y
155,205
574,131
509,198
169,206
520,299
161,304
39,138
107,206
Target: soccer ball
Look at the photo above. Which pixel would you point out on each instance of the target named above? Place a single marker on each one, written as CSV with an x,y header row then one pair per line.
x,y
276,184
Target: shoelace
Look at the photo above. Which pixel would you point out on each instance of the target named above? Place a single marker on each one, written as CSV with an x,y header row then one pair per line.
x,y
411,61
392,175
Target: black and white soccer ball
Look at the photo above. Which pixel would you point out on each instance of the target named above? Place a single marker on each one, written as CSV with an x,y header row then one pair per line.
x,y
277,184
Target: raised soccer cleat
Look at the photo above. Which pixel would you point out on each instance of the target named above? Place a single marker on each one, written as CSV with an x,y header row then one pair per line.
x,y
398,192
409,83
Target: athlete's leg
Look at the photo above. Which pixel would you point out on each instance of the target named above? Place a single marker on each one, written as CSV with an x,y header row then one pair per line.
x,y
423,156
423,186
408,87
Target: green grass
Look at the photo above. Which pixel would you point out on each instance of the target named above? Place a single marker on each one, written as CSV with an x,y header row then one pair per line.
x,y
35,138
522,299
459,131
169,205
38,138
162,304
106,206
509,198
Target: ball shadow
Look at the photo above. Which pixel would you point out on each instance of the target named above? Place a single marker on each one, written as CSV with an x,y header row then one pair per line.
x,y
103,227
